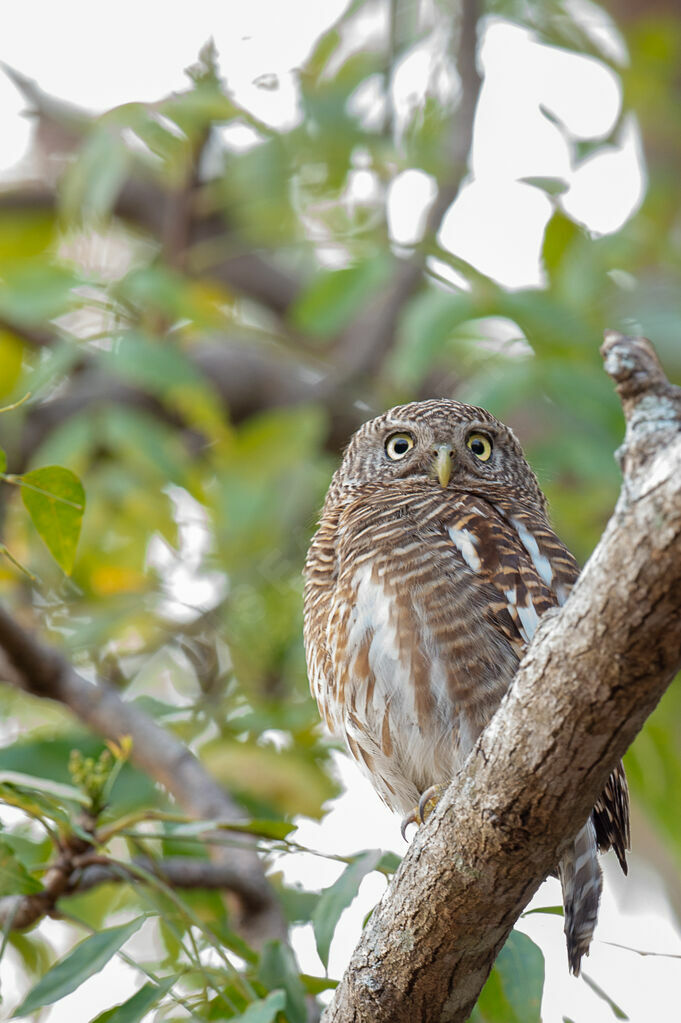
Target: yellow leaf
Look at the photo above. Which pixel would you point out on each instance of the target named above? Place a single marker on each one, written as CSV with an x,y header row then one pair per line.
x,y
11,359
108,580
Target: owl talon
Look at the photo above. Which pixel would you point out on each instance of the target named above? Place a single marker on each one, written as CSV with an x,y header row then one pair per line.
x,y
428,801
411,818
421,813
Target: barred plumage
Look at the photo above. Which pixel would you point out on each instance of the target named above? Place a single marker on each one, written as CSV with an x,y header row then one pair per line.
x,y
433,562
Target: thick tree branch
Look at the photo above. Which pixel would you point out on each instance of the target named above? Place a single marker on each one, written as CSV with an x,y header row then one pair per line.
x,y
43,672
594,672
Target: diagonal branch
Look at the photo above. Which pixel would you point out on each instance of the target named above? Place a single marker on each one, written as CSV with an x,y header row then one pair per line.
x,y
42,671
593,674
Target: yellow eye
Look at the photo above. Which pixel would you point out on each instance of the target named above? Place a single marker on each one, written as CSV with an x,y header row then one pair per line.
x,y
480,445
398,445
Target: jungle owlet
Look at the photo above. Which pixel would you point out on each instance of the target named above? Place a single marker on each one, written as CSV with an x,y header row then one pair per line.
x,y
431,567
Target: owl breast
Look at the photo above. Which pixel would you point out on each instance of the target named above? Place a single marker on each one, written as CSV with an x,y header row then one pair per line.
x,y
415,663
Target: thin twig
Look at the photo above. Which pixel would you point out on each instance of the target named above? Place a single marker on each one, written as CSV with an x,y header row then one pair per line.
x,y
43,671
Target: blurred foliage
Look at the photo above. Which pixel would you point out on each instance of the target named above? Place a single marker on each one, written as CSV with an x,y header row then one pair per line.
x,y
178,321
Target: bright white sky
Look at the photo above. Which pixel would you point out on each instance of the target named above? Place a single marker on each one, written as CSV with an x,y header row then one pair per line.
x,y
98,56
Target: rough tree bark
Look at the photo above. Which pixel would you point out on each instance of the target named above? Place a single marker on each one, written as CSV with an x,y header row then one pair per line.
x,y
594,672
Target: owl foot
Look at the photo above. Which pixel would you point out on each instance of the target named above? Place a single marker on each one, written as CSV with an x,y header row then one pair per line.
x,y
429,800
421,813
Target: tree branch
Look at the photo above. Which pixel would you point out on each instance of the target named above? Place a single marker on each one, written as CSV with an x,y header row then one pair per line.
x,y
73,875
365,344
592,675
44,672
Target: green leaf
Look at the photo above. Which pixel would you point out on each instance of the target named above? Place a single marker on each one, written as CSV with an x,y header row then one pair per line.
x,y
34,952
3,461
155,365
263,828
273,829
427,325
25,234
333,298
14,878
47,786
617,1012
550,185
86,959
298,905
338,897
278,970
35,291
91,183
388,863
550,910
315,985
55,500
135,1008
265,1009
514,988
49,755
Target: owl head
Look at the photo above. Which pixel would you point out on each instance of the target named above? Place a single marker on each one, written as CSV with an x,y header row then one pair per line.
x,y
439,443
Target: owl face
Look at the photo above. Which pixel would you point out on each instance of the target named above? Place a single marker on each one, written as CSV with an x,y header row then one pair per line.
x,y
442,444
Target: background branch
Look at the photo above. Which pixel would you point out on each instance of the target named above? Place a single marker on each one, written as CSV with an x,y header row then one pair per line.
x,y
593,674
45,673
362,348
77,874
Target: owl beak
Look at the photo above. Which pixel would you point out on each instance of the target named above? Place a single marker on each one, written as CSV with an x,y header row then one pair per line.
x,y
443,463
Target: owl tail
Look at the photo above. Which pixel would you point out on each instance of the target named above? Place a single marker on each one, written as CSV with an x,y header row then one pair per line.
x,y
581,880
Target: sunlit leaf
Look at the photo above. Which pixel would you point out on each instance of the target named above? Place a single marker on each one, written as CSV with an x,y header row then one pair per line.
x,y
338,897
14,878
279,778
48,757
11,360
48,786
33,950
86,959
25,234
55,500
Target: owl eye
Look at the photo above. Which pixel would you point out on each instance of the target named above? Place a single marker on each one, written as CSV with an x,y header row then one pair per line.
x,y
398,445
480,445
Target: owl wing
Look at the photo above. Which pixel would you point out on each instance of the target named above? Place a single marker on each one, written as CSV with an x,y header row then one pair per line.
x,y
516,558
528,568
321,573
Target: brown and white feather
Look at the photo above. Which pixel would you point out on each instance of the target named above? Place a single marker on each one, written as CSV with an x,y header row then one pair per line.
x,y
420,600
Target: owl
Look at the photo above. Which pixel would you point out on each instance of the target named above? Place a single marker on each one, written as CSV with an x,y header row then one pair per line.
x,y
431,567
